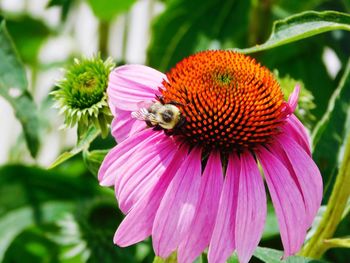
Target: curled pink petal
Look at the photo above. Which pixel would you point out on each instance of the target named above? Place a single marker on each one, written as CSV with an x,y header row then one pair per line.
x,y
131,84
296,130
251,208
287,200
222,243
138,223
293,98
299,133
181,197
202,225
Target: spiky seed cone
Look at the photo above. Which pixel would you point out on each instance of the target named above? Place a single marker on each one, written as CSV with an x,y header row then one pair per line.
x,y
81,95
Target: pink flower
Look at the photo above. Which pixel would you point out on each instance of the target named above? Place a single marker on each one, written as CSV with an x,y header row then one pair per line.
x,y
194,182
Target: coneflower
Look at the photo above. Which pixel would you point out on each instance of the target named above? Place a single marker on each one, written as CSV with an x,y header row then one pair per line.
x,y
186,167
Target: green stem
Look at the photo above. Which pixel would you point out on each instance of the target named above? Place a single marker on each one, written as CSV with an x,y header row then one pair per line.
x,y
335,209
338,242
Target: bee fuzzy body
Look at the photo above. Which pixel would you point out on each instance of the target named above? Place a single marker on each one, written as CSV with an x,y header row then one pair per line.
x,y
160,115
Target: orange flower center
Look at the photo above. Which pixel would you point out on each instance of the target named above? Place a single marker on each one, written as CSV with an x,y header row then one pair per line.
x,y
228,100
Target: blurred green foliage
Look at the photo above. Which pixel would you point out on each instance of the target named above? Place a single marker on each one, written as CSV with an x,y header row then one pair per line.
x,y
14,88
332,130
62,214
29,34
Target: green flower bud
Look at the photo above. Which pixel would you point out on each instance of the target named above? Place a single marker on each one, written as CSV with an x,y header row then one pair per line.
x,y
305,102
81,95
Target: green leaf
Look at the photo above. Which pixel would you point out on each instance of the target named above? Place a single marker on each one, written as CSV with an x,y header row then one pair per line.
x,y
13,87
33,196
33,246
84,141
331,131
93,159
302,26
106,10
22,186
14,222
98,220
274,256
26,197
186,27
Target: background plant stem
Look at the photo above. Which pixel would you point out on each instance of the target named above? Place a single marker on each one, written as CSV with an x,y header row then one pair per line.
x,y
259,21
125,36
103,38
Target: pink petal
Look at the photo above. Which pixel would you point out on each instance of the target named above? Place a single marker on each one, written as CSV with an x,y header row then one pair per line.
x,y
306,173
140,178
204,219
222,242
124,149
293,98
287,200
123,126
251,208
149,148
123,159
137,225
293,127
177,208
130,84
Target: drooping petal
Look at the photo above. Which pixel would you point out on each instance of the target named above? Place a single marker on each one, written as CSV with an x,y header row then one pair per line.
x,y
124,126
287,200
177,208
139,179
293,98
128,85
306,173
124,149
251,208
222,242
202,225
137,225
293,127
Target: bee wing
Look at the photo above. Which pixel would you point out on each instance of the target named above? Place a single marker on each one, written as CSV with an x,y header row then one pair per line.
x,y
141,114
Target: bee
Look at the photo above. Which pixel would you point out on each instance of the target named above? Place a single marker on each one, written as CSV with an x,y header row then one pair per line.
x,y
160,115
